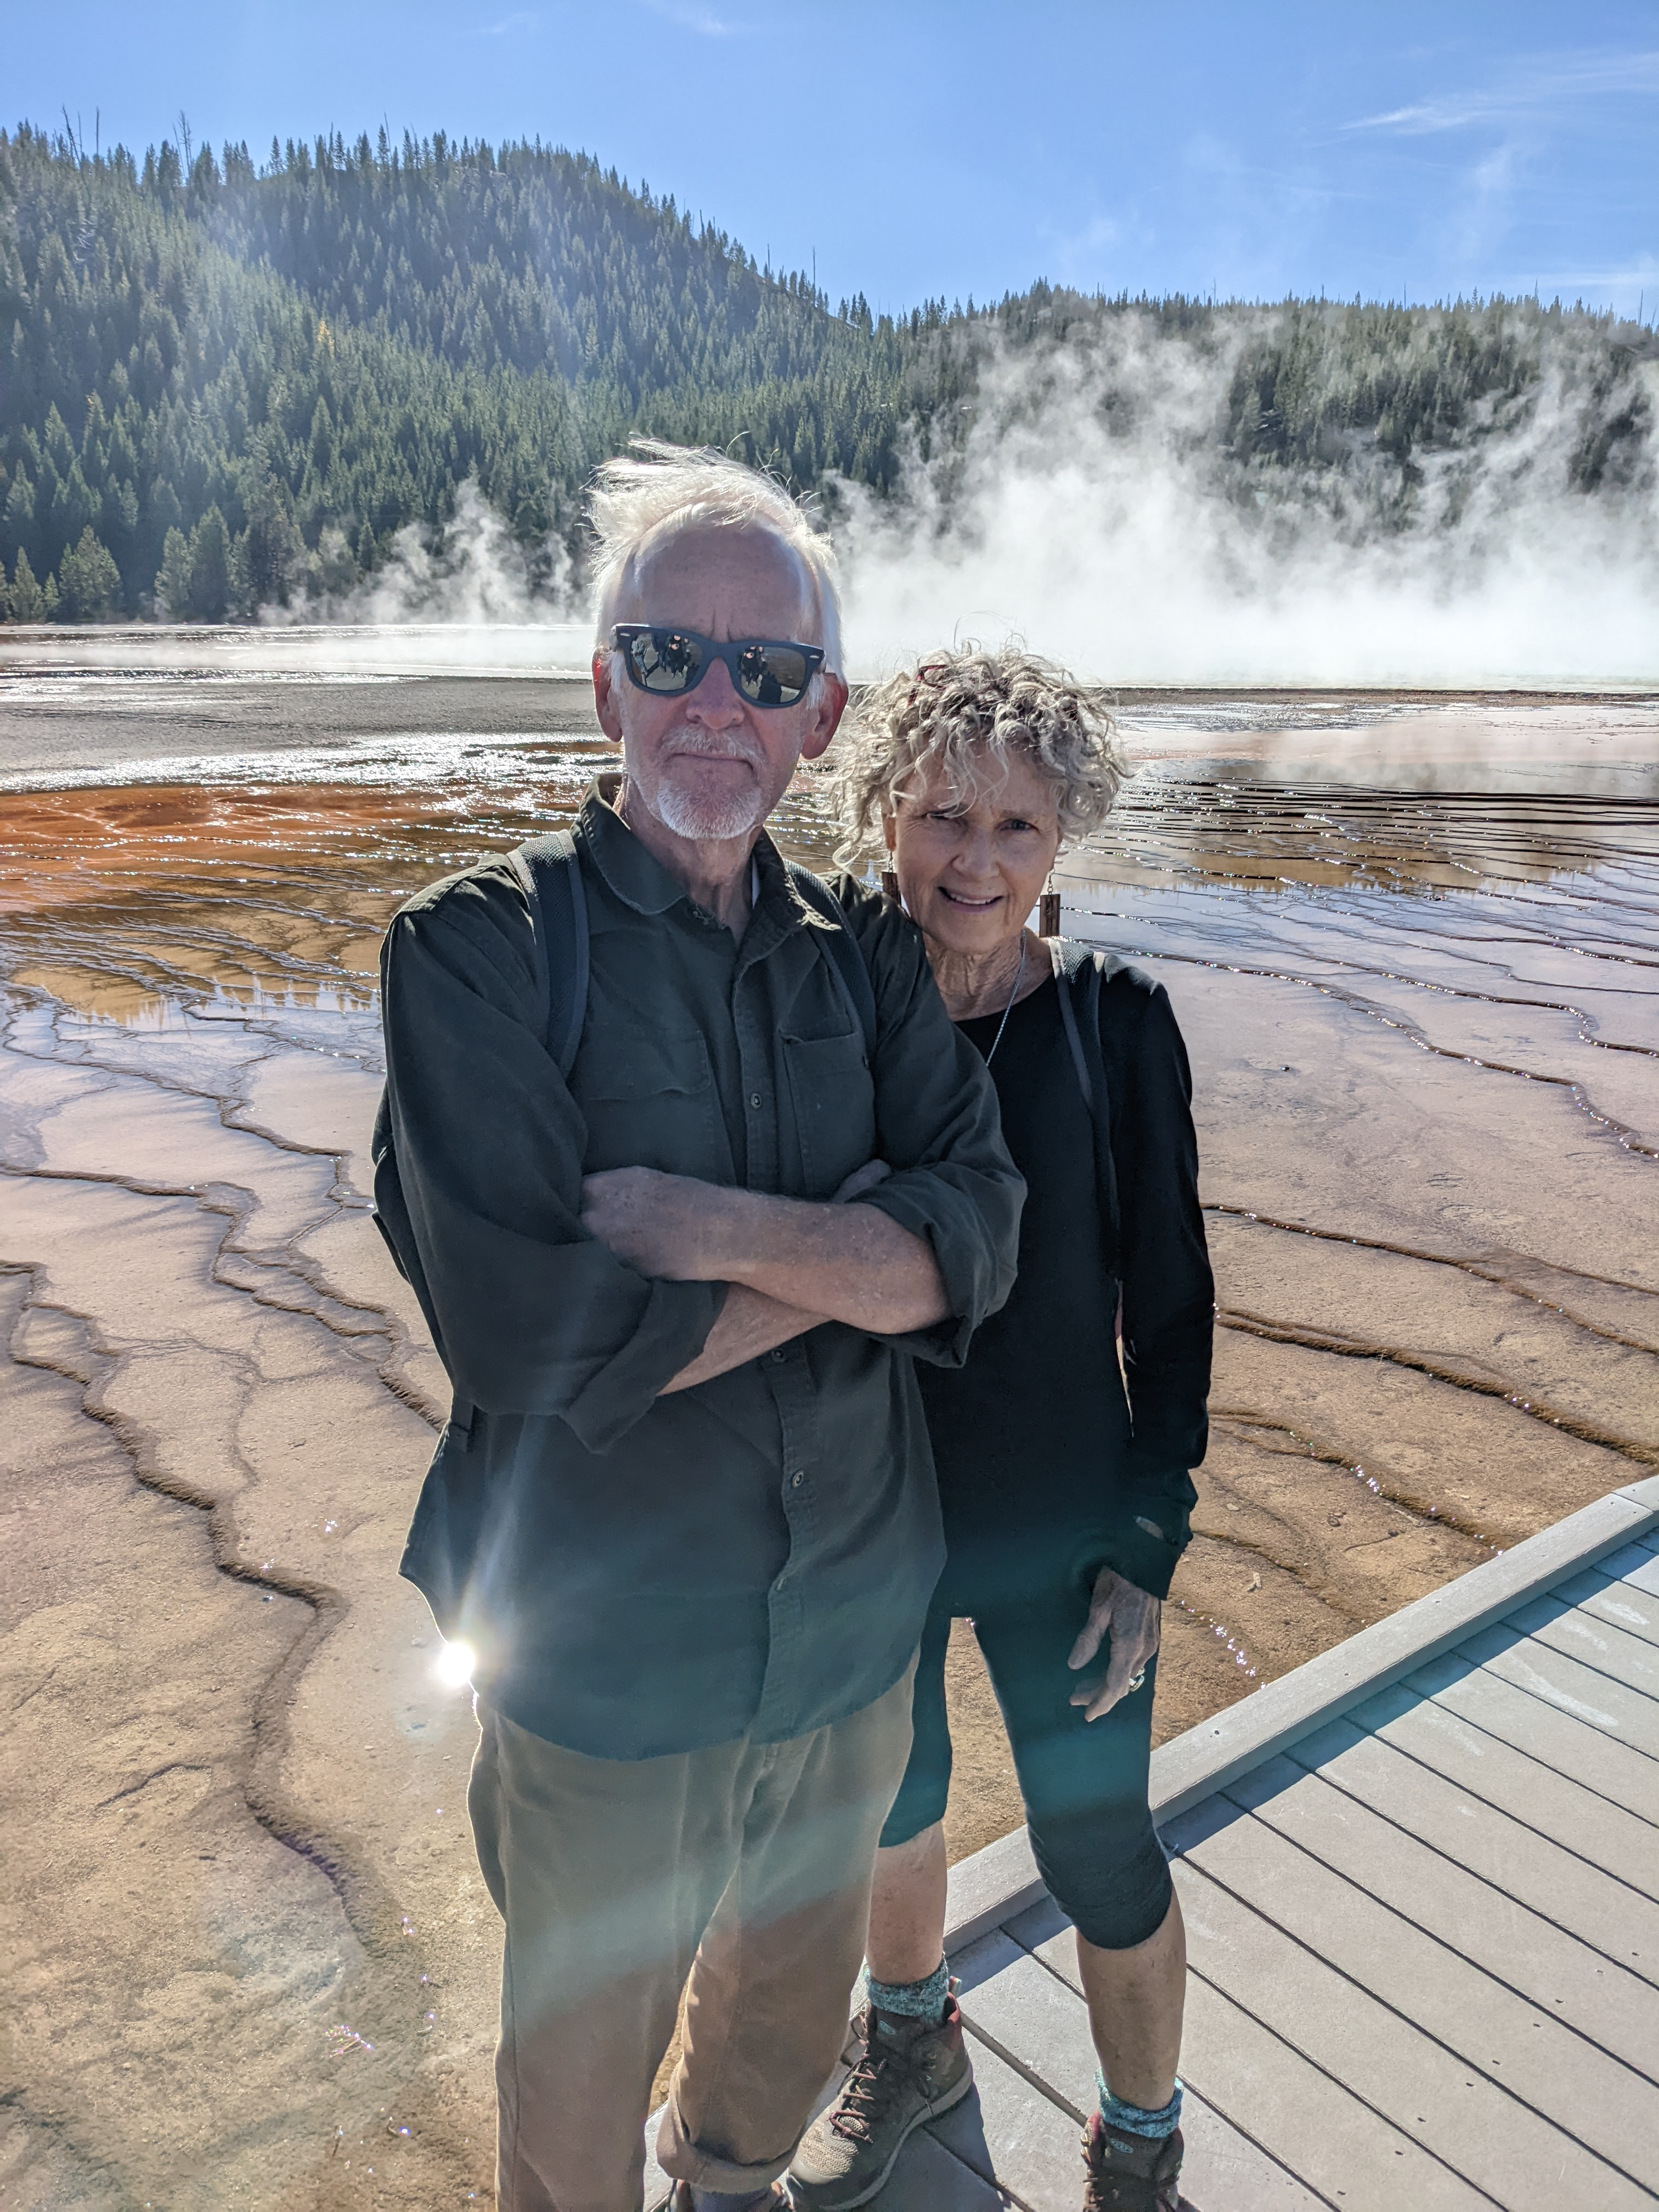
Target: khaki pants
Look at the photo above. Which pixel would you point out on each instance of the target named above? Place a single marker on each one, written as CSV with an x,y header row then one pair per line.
x,y
742,1870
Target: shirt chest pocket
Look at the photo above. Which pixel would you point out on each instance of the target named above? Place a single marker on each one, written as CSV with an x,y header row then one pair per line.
x,y
834,1098
649,1102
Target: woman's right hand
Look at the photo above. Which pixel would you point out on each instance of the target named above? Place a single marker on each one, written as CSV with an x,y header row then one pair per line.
x,y
1130,1619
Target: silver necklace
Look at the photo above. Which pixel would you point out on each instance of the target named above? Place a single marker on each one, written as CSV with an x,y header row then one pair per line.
x,y
1019,977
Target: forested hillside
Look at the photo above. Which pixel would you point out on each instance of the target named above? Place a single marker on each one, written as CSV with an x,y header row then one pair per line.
x,y
226,385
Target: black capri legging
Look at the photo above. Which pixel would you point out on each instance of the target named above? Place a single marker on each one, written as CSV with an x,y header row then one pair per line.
x,y
1083,1783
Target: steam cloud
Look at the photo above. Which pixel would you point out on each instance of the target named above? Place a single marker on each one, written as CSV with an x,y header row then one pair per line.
x,y
471,572
1093,513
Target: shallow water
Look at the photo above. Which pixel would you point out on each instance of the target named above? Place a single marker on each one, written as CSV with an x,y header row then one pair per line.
x,y
1414,949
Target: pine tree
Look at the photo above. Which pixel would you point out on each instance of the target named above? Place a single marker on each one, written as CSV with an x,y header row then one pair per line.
x,y
17,518
271,553
88,580
208,592
173,578
25,602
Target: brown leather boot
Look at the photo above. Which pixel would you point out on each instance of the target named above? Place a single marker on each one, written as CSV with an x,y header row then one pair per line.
x,y
1130,2173
909,2073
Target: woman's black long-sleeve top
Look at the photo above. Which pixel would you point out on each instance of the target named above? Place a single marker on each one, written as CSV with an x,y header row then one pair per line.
x,y
1047,1463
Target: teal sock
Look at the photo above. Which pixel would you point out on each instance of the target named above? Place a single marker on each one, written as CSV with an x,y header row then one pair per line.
x,y
924,2000
1134,2119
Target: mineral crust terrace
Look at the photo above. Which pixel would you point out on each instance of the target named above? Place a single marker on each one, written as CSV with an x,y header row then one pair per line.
x,y
251,1959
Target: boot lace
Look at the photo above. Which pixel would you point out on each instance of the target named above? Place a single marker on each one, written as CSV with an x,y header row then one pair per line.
x,y
868,2090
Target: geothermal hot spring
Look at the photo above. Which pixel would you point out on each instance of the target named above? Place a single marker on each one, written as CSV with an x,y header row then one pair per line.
x,y
1413,942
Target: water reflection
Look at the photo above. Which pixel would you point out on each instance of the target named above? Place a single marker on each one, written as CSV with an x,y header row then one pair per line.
x,y
242,896
1254,831
261,885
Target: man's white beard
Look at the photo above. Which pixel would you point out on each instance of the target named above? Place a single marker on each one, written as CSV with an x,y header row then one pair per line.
x,y
701,819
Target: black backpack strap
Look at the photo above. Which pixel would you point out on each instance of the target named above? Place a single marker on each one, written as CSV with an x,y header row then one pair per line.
x,y
1064,972
552,875
845,954
1078,974
1069,1020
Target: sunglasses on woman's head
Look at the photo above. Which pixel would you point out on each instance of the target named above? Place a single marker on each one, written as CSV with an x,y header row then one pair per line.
x,y
765,671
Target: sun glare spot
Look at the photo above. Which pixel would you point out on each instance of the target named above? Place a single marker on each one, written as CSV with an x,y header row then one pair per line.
x,y
453,1664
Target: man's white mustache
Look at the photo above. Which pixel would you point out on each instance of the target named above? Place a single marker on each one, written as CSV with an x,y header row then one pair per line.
x,y
715,745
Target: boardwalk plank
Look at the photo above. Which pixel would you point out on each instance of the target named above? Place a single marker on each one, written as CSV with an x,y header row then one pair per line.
x,y
1535,1796
1606,1647
1518,2045
1545,1732
1614,1708
1634,1559
1489,2138
1641,1574
1621,1601
1041,1924
1339,2148
997,1992
1033,2143
1042,2018
930,2178
1550,1968
1604,1920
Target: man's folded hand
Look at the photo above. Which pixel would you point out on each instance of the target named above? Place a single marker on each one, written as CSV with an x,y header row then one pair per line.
x,y
662,1224
678,1227
846,1263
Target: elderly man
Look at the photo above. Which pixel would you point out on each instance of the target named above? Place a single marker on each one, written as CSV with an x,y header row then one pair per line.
x,y
684,1512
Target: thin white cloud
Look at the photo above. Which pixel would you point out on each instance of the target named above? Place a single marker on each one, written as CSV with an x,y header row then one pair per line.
x,y
690,17
1475,220
1428,115
1542,85
521,18
1638,276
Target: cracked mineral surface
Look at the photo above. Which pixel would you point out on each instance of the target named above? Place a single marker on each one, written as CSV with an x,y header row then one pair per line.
x,y
1414,947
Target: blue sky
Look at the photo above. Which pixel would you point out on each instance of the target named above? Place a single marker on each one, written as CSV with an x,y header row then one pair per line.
x,y
1404,150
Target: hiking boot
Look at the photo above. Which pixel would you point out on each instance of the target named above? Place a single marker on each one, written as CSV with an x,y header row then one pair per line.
x,y
1130,2173
909,2072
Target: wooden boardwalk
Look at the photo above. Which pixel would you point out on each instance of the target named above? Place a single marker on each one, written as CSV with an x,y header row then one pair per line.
x,y
1420,1878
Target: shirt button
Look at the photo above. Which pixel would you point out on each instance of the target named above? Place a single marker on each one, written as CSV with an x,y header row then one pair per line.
x,y
779,1353
754,1101
796,1480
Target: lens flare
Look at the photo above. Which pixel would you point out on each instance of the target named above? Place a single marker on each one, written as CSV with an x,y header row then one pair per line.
x,y
454,1664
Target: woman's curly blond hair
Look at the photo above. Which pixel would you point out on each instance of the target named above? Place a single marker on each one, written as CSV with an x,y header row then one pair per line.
x,y
965,712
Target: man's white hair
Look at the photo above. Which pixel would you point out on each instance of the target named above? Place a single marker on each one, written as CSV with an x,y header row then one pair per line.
x,y
655,484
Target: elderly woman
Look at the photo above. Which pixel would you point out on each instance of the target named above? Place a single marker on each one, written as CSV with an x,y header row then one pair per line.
x,y
1063,1447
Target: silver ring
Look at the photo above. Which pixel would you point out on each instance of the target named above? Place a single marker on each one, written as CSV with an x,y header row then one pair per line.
x,y
1138,1681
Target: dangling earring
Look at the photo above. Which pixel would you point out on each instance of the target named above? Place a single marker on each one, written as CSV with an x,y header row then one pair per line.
x,y
889,885
1049,911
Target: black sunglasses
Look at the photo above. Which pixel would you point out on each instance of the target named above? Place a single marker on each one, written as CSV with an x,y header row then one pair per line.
x,y
668,663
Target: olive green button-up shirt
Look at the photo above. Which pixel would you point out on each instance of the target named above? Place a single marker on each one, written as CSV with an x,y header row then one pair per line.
x,y
642,1574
